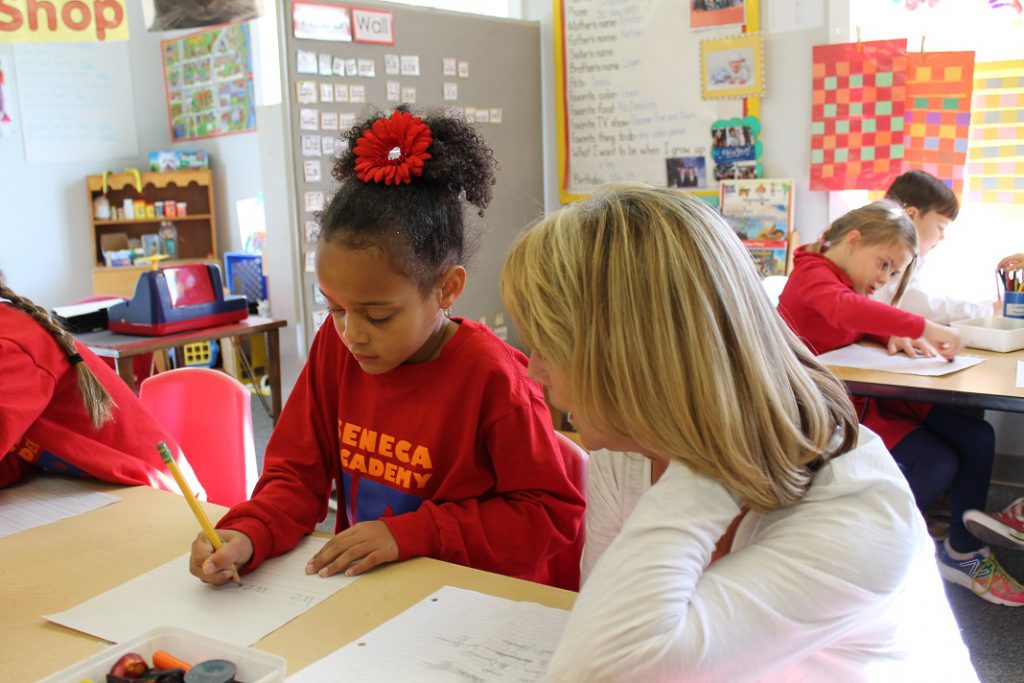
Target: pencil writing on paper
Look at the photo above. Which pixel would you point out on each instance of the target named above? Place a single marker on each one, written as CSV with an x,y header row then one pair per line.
x,y
190,498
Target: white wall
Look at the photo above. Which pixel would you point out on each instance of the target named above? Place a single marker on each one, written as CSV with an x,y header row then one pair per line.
x,y
45,242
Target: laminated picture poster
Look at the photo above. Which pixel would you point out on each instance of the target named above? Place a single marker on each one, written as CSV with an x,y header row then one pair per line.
x,y
208,79
760,211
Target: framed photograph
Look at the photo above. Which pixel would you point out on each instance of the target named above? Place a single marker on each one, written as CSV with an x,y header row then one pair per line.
x,y
732,67
713,13
760,211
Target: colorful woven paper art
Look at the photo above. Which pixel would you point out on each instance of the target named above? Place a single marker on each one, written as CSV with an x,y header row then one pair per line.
x,y
995,154
938,115
857,116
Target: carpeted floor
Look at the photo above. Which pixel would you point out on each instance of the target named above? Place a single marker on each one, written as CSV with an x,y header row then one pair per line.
x,y
994,634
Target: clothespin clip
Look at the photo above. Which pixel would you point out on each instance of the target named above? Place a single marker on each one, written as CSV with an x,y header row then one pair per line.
x,y
860,48
922,44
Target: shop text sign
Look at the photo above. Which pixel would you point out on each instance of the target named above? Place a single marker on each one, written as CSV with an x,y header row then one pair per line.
x,y
62,21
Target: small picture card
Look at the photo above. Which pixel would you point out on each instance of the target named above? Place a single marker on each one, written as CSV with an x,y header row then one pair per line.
x,y
327,146
341,92
471,114
409,95
346,120
305,62
463,69
448,67
496,115
352,67
367,68
320,21
392,65
394,91
305,92
338,66
318,296
319,317
356,93
311,171
312,230
313,201
373,26
308,119
340,144
410,65
329,120
483,115
450,91
324,64
310,145
326,92
310,261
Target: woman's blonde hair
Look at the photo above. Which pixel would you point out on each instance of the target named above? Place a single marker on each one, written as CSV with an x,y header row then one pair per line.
x,y
97,400
881,222
650,304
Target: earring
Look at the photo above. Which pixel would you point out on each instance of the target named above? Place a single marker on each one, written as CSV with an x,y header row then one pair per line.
x,y
448,312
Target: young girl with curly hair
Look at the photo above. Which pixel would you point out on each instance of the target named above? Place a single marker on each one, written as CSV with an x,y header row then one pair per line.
x,y
428,425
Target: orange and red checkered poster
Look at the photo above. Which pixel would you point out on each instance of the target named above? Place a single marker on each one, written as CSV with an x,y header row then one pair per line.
x,y
938,116
857,115
995,154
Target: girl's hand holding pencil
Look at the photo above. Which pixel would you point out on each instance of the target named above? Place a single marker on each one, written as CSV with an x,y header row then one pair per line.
x,y
1012,262
217,566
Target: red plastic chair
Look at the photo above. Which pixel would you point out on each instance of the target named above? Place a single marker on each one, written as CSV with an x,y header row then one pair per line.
x,y
207,412
564,566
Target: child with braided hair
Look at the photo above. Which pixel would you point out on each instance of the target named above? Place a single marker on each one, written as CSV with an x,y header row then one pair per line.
x,y
63,410
428,425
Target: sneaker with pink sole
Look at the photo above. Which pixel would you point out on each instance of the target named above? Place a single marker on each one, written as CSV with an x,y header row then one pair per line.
x,y
1005,528
983,575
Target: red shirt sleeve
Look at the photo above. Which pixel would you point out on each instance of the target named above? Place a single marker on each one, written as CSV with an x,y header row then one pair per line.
x,y
292,493
842,307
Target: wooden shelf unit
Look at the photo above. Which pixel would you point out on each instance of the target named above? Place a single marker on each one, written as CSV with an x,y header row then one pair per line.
x,y
197,231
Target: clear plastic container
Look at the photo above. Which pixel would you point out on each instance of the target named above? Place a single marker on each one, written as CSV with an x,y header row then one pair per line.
x,y
168,235
253,666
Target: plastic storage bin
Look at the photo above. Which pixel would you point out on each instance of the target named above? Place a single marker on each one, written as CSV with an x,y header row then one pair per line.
x,y
244,275
994,334
253,666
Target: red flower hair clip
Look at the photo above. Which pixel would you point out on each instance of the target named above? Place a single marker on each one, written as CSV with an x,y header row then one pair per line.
x,y
392,150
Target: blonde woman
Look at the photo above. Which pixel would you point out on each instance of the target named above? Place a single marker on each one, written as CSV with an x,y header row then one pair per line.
x,y
647,321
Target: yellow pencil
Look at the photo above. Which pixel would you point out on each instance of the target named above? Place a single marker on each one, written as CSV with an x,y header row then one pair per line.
x,y
190,498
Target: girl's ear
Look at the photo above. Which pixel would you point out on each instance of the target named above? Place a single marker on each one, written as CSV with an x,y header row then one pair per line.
x,y
450,286
852,238
913,213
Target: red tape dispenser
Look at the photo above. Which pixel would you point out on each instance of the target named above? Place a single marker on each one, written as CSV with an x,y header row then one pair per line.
x,y
177,299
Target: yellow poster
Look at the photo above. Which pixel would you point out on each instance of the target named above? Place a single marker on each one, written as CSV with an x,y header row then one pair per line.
x,y
62,21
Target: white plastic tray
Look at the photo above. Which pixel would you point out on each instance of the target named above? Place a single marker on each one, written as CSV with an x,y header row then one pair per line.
x,y
253,666
994,334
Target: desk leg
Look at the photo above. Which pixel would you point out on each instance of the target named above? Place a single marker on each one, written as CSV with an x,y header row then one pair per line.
x,y
274,372
126,370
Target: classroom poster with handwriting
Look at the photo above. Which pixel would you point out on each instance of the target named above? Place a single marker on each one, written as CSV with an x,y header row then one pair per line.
x,y
629,96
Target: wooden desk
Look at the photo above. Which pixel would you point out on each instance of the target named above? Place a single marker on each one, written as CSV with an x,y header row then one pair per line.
x,y
55,567
122,348
991,385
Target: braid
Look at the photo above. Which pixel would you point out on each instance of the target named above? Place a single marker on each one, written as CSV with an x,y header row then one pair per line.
x,y
95,397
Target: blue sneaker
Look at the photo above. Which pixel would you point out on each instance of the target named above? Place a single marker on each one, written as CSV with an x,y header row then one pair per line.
x,y
983,575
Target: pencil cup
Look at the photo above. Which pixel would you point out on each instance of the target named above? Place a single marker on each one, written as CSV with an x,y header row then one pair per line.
x,y
1013,305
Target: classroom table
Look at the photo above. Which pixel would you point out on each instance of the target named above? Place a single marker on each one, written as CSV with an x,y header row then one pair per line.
x,y
123,347
57,566
991,385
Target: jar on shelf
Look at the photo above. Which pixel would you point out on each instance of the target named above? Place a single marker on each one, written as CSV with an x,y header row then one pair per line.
x,y
168,235
101,208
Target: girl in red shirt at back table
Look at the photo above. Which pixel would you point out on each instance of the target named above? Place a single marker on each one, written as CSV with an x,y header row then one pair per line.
x,y
62,410
826,303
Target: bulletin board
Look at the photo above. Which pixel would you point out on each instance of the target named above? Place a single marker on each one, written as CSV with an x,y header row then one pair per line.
x,y
629,82
352,58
